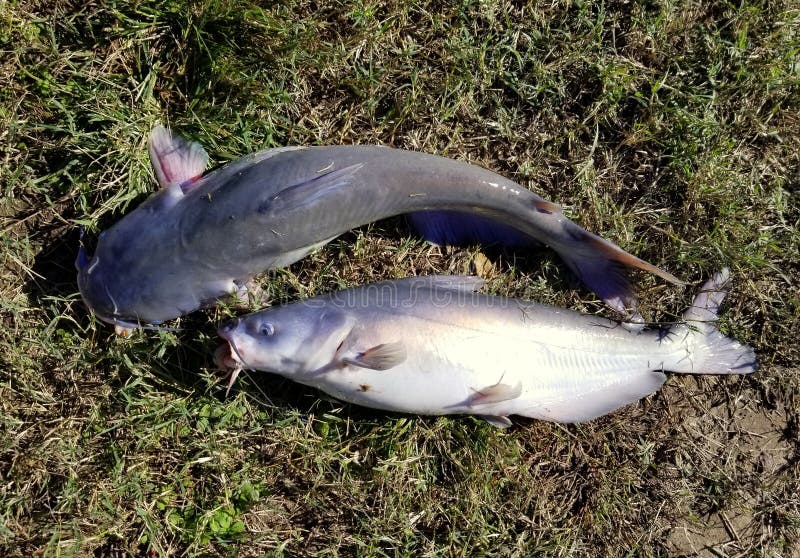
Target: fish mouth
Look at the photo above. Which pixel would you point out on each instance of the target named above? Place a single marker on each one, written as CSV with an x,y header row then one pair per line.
x,y
233,354
123,326
227,356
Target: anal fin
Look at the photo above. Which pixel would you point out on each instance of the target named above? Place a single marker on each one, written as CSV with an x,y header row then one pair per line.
x,y
597,400
456,228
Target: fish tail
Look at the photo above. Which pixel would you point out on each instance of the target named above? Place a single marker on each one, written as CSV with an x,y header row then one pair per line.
x,y
708,351
601,265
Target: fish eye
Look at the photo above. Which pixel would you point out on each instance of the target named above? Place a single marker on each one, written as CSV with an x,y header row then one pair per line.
x,y
267,329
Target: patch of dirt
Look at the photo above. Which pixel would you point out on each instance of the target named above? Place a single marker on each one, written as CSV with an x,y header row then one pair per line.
x,y
744,448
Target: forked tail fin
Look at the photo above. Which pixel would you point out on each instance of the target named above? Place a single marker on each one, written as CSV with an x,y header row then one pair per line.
x,y
696,347
708,350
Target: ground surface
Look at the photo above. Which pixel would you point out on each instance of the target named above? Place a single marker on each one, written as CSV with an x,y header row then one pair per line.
x,y
670,128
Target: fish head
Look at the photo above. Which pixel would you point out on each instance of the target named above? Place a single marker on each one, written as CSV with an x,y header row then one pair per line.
x,y
95,292
92,286
101,288
288,340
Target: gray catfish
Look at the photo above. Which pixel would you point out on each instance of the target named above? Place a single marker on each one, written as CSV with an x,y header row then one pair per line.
x,y
202,237
431,346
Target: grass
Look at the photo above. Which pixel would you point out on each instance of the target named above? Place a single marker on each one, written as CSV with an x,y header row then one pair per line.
x,y
671,128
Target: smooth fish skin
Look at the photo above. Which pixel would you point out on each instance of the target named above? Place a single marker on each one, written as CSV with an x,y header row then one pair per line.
x,y
201,237
432,346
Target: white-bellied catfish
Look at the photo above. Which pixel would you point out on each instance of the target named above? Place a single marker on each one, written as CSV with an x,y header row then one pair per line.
x,y
432,346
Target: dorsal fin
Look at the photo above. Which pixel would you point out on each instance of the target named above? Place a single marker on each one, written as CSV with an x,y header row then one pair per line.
x,y
176,160
460,283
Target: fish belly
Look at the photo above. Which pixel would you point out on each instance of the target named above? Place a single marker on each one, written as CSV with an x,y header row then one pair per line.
x,y
553,373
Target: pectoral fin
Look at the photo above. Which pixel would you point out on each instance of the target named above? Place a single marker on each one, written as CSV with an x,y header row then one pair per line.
x,y
308,192
123,331
380,357
175,160
496,393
